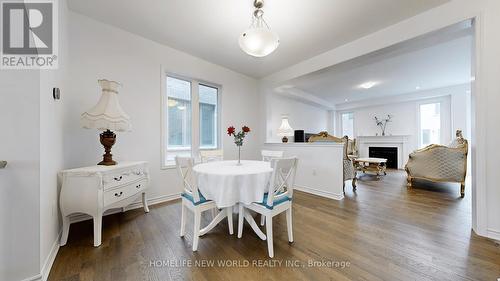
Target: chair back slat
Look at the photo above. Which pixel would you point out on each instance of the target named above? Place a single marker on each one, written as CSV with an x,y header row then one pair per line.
x,y
211,155
282,179
268,155
184,166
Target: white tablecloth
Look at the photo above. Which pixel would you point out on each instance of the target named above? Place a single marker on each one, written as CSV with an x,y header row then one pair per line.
x,y
227,184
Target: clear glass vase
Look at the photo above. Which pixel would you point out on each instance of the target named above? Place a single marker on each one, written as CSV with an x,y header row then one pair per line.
x,y
239,156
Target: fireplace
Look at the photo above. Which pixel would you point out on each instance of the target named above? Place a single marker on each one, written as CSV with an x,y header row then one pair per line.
x,y
389,153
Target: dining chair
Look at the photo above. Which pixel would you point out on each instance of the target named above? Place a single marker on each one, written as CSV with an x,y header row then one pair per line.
x,y
192,198
211,155
278,199
267,156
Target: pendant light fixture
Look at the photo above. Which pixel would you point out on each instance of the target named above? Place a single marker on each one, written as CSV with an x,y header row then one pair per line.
x,y
258,40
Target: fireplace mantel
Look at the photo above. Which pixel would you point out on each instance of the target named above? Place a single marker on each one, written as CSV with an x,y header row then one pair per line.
x,y
398,141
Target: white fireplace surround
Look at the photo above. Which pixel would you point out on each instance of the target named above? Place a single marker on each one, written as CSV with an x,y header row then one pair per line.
x,y
398,141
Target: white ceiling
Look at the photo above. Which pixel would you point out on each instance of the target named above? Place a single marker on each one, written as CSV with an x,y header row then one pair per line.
x,y
436,60
210,29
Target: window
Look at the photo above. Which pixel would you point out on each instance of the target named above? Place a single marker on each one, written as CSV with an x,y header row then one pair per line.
x,y
347,124
179,113
430,124
186,100
208,117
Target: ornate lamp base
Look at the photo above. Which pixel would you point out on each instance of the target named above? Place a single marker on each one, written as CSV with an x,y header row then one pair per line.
x,y
108,139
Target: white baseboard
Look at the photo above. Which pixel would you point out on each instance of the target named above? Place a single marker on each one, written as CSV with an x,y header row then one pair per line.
x,y
320,192
494,234
151,201
47,265
37,277
51,258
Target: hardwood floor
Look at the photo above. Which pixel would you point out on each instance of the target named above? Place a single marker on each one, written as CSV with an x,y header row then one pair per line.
x,y
380,232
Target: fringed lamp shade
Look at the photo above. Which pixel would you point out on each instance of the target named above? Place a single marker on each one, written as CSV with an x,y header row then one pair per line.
x,y
108,116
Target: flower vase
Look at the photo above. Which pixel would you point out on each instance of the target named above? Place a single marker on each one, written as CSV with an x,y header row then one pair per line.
x,y
239,156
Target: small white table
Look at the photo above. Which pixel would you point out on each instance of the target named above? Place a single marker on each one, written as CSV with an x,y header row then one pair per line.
x,y
228,184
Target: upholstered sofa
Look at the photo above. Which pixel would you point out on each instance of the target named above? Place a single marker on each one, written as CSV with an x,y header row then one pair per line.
x,y
349,172
439,163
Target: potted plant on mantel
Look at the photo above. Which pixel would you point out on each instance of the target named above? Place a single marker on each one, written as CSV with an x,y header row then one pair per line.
x,y
382,123
238,138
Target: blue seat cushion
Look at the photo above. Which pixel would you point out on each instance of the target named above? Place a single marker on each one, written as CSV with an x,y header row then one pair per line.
x,y
190,198
275,202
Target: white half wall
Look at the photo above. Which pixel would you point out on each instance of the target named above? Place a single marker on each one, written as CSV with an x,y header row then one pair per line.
x,y
102,51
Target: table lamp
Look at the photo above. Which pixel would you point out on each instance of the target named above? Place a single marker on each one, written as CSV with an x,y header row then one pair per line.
x,y
107,116
285,130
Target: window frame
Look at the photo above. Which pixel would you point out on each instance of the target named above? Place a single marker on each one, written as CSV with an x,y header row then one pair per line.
x,y
341,125
195,116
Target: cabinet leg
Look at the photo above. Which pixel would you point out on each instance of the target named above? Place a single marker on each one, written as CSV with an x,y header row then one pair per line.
x,y
462,189
65,232
145,202
97,230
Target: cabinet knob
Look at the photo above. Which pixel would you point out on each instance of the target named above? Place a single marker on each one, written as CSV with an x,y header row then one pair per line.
x,y
138,186
119,194
118,178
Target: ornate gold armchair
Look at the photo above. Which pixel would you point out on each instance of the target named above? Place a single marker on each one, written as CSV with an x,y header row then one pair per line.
x,y
349,146
439,163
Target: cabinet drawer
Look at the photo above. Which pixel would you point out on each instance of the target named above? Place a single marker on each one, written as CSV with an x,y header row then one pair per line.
x,y
124,192
123,177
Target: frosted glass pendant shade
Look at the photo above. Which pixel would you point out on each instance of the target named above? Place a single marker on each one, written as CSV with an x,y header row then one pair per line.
x,y
259,41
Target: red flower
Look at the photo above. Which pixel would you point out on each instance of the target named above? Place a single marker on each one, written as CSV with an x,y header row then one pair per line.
x,y
231,130
245,129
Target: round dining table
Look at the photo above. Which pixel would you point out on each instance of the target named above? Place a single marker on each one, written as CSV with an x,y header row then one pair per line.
x,y
229,184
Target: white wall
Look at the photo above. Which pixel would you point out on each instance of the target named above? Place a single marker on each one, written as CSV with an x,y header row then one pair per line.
x,y
31,132
51,145
485,90
102,51
19,181
405,118
302,116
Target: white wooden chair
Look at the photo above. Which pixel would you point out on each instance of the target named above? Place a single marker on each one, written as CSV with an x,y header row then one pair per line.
x,y
268,155
192,198
277,200
211,155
